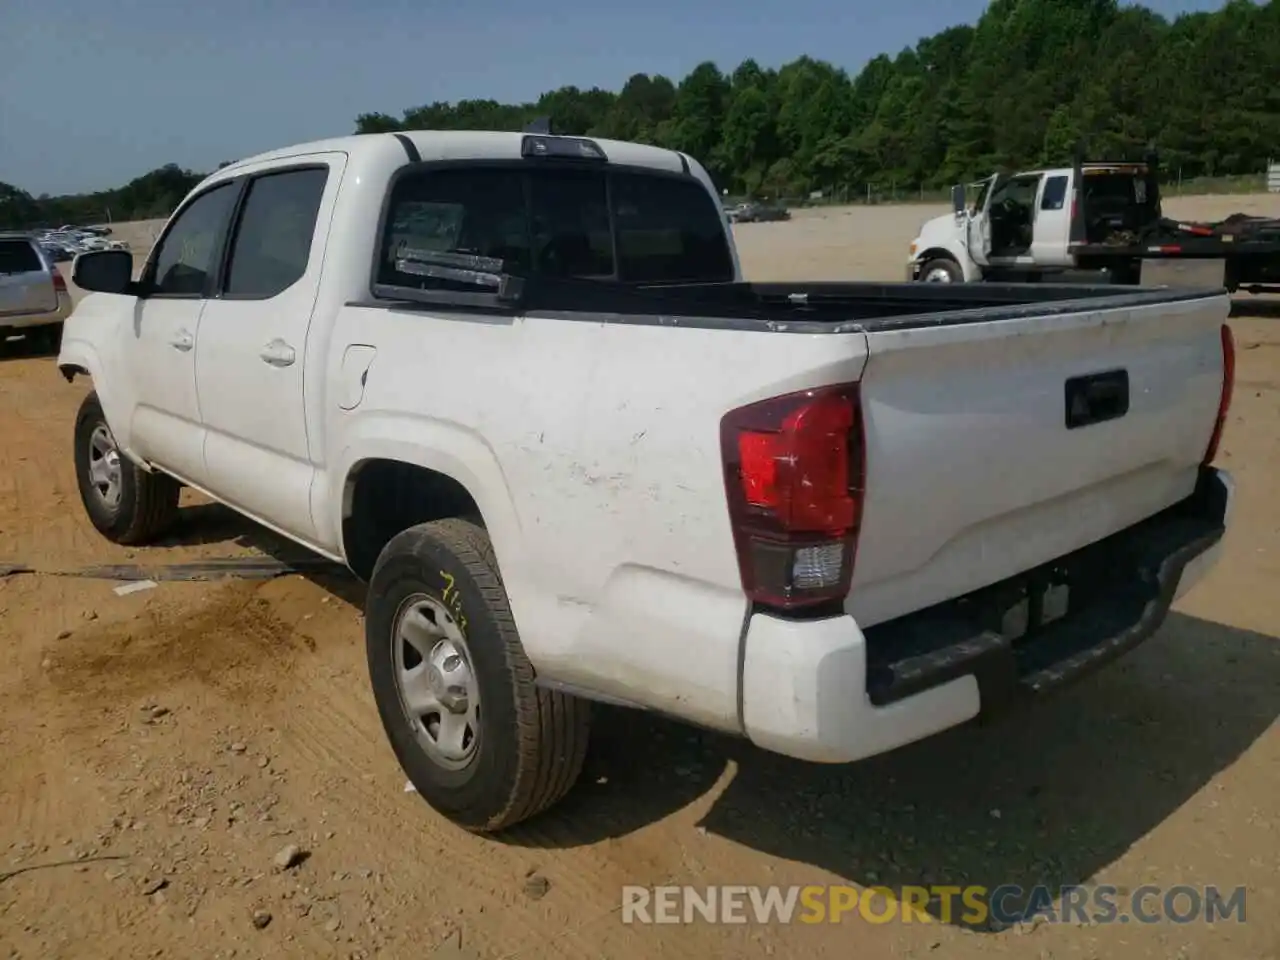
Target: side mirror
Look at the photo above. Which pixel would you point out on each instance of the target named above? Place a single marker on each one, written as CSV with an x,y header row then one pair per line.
x,y
104,271
957,198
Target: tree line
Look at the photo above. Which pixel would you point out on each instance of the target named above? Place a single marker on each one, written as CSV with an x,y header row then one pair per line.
x,y
1021,87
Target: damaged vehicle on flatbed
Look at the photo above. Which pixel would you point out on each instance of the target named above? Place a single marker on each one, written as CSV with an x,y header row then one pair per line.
x,y
517,383
1095,222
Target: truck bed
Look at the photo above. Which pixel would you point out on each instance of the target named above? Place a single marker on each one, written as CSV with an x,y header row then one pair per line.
x,y
816,307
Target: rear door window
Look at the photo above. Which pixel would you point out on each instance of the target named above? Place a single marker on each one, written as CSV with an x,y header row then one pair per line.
x,y
1055,193
19,256
273,239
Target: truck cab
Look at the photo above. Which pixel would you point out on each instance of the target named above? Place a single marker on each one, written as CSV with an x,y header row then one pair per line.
x,y
1030,224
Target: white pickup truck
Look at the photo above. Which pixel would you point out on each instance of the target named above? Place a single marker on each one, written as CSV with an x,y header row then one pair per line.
x,y
1098,222
516,383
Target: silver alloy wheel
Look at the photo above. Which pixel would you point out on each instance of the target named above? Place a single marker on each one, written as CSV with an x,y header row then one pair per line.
x,y
435,680
104,467
938,275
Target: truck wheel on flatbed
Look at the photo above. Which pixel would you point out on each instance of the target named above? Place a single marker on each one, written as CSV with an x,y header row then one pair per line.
x,y
125,503
942,270
479,741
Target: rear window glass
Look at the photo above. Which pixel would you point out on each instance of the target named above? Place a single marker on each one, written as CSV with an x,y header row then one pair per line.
x,y
668,230
1116,187
19,256
441,221
570,225
589,224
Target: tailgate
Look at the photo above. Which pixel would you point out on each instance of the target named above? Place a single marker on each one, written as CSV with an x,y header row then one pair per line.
x,y
25,284
973,473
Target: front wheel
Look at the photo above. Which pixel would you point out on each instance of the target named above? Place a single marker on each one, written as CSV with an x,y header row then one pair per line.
x,y
942,271
125,503
479,741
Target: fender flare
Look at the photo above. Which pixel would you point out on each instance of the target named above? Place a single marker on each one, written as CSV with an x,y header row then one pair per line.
x,y
80,357
437,445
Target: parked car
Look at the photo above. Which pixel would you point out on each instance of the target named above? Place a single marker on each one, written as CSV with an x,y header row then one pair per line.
x,y
845,516
757,212
34,300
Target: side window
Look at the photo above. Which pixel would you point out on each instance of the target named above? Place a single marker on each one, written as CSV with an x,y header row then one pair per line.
x,y
1055,193
668,230
186,254
569,213
440,221
273,236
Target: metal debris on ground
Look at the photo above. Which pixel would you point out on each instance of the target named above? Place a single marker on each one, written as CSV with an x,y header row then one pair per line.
x,y
136,586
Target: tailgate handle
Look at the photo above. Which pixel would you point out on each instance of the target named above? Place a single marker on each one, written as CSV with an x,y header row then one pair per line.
x,y
1097,398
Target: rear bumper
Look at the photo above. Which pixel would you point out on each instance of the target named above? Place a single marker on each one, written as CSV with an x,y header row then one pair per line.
x,y
23,321
828,691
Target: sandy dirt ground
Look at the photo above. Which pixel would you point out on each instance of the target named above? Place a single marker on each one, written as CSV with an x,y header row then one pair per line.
x,y
160,749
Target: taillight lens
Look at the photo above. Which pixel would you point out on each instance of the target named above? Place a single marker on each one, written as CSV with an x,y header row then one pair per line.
x,y
794,473
1228,389
59,282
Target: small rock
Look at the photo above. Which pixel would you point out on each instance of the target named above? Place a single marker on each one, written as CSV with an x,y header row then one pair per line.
x,y
333,924
115,873
264,762
63,634
200,822
996,814
158,898
536,886
153,885
260,919
158,712
290,856
91,614
238,748
46,664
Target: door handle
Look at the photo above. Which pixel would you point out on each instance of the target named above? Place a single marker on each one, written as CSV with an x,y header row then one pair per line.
x,y
278,353
183,341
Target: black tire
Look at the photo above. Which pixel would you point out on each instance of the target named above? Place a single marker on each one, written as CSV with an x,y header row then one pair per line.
x,y
148,502
531,742
49,339
945,264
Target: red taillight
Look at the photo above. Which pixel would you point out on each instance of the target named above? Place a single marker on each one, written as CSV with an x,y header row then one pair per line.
x,y
794,471
1228,388
59,282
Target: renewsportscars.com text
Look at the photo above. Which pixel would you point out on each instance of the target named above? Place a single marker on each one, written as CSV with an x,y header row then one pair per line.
x,y
970,906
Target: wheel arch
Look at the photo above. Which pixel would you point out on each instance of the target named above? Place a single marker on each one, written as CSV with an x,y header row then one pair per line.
x,y
424,471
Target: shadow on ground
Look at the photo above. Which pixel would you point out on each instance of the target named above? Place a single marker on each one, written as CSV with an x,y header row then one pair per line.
x,y
212,523
1049,795
1255,307
26,347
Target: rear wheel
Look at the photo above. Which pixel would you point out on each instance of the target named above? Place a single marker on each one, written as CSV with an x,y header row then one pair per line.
x,y
481,743
49,339
125,503
942,270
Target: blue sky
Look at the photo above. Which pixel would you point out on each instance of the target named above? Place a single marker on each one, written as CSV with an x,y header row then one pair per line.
x,y
96,92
